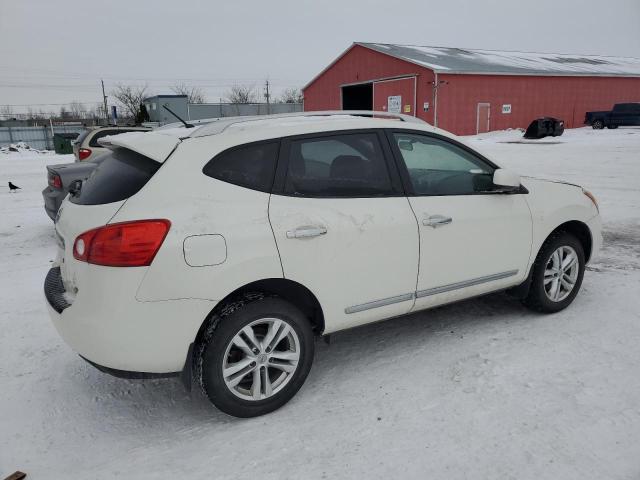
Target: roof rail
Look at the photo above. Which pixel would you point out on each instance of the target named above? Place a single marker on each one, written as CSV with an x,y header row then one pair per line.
x,y
214,126
355,113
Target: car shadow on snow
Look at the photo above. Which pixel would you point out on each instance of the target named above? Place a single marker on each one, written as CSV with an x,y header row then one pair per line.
x,y
142,403
417,330
145,402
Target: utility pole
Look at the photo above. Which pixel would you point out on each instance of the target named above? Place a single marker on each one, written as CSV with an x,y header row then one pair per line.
x,y
267,96
436,84
104,99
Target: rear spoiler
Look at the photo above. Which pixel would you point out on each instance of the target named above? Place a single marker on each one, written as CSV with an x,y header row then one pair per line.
x,y
155,146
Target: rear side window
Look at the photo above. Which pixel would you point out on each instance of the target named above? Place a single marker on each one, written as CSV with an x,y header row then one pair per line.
x,y
350,165
119,175
252,166
81,137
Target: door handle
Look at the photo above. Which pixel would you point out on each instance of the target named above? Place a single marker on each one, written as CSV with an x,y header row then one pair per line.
x,y
436,221
308,231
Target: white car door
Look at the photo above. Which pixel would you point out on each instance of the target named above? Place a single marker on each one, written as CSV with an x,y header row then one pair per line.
x,y
473,239
344,228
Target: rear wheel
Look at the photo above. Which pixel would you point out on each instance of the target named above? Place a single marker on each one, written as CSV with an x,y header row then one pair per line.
x,y
557,274
598,125
254,359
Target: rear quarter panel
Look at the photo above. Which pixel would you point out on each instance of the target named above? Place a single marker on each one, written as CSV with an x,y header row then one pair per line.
x,y
200,205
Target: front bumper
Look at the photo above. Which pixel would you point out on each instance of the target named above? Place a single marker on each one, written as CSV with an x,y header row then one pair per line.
x,y
595,226
107,326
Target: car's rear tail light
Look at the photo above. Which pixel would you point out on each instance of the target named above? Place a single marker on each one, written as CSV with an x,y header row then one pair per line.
x,y
126,244
84,153
54,180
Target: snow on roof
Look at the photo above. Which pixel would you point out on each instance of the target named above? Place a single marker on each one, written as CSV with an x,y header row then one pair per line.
x,y
458,60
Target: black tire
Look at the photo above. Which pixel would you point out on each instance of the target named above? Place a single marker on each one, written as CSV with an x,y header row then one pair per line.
x,y
537,298
211,353
597,125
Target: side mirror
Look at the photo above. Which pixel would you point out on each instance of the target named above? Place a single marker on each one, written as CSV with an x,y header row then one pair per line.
x,y
506,178
405,145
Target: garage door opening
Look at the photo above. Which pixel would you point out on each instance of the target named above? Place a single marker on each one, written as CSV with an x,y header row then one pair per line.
x,y
358,97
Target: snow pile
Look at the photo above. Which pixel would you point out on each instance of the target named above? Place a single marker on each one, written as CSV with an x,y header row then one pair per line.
x,y
21,147
480,389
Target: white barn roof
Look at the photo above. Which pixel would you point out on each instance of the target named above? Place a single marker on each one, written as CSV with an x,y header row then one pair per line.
x,y
472,61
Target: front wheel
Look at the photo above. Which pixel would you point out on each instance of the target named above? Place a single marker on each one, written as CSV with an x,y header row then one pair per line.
x,y
254,360
557,274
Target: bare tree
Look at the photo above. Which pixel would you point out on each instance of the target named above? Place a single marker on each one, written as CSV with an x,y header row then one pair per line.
x,y
77,110
64,113
96,111
6,111
194,94
130,97
239,94
291,95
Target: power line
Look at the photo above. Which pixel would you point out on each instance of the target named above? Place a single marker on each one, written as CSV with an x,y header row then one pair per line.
x,y
46,104
150,84
160,78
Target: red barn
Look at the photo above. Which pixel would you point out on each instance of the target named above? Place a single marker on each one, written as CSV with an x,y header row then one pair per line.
x,y
473,91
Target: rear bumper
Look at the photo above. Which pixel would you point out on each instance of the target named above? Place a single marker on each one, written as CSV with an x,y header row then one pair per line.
x,y
107,326
52,200
128,374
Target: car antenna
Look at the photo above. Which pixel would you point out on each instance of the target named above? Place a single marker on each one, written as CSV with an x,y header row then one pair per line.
x,y
187,125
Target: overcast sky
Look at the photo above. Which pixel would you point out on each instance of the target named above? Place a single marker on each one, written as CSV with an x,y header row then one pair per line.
x,y
54,52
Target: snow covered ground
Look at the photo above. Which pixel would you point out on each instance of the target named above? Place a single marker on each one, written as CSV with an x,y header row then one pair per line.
x,y
481,389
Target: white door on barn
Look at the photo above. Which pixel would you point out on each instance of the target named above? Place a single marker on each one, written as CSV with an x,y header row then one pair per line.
x,y
483,117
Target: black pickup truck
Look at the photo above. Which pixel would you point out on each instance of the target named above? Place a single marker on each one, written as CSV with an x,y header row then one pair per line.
x,y
622,115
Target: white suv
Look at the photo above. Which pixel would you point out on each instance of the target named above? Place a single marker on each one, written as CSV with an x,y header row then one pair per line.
x,y
223,249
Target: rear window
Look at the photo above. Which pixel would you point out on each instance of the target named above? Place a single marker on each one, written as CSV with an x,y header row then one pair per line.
x,y
120,174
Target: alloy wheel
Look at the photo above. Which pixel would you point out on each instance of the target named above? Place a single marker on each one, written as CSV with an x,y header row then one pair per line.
x,y
561,273
261,359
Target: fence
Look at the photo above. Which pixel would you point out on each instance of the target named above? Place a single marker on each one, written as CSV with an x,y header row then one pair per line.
x,y
197,111
39,138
